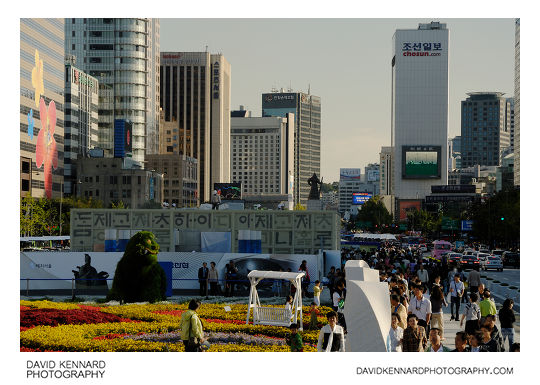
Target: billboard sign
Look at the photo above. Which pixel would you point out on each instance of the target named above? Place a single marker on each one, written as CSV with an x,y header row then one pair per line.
x,y
421,162
466,225
229,191
278,104
350,173
421,49
361,197
408,206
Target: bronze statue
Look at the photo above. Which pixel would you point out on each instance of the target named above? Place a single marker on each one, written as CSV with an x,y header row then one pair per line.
x,y
315,191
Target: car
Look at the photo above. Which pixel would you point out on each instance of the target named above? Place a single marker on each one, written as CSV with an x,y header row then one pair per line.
x,y
470,261
497,252
453,258
482,257
469,252
510,259
484,250
492,262
423,248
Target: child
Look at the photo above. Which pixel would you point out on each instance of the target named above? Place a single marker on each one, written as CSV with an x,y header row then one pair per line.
x,y
313,320
288,305
295,339
317,289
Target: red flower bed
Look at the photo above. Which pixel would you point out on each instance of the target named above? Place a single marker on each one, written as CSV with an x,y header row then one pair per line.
x,y
54,317
25,349
176,313
224,321
24,307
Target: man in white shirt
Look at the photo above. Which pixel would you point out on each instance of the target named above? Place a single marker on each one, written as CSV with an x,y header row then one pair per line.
x,y
331,336
456,292
420,306
423,275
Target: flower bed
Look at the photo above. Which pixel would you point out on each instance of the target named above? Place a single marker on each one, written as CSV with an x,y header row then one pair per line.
x,y
50,326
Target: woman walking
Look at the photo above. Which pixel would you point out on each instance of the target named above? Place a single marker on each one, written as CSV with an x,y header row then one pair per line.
x,y
507,319
437,302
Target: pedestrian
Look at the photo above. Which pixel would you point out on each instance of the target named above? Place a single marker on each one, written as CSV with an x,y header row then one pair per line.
x,y
399,309
487,306
331,336
471,315
232,277
203,280
395,335
461,342
338,303
331,280
420,306
435,336
213,278
313,313
507,319
191,330
474,280
317,290
423,275
437,302
456,292
489,344
475,342
216,200
495,332
295,339
306,279
414,336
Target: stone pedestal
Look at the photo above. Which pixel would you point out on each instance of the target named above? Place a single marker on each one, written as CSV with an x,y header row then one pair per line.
x,y
314,204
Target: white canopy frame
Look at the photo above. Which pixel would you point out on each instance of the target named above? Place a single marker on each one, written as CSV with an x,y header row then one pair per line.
x,y
265,315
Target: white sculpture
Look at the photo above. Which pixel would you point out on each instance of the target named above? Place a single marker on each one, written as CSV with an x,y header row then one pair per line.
x,y
367,309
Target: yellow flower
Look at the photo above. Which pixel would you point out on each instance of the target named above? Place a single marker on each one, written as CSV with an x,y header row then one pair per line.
x,y
37,78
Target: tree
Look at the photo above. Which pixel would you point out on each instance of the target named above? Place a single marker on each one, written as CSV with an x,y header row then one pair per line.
x,y
299,207
374,211
31,216
496,219
425,221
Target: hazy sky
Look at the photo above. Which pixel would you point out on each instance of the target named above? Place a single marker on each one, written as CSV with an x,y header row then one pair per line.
x,y
347,63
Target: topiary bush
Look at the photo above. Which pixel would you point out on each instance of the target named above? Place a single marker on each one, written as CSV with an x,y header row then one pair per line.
x,y
138,276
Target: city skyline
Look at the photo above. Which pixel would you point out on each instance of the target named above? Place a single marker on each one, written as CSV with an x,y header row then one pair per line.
x,y
355,89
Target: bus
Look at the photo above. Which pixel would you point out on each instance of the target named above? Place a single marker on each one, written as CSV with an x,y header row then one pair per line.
x,y
440,248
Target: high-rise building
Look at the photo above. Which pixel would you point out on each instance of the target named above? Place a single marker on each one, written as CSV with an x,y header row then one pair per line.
x,y
262,155
196,99
510,122
41,107
372,176
385,171
81,121
516,108
485,134
124,55
419,109
307,136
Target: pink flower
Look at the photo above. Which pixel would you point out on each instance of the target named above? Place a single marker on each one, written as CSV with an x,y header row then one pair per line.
x,y
46,152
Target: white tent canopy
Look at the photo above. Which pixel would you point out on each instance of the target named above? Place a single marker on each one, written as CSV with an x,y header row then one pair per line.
x,y
388,237
271,315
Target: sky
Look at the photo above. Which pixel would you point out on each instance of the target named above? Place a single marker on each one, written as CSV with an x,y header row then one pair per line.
x,y
347,63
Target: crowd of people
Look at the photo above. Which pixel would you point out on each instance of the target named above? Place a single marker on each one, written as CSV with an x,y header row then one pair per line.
x,y
419,289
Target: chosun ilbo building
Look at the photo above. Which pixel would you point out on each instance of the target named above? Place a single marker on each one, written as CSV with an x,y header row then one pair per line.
x,y
420,109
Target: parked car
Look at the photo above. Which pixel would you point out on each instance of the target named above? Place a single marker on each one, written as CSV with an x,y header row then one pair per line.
x,y
510,259
492,262
469,262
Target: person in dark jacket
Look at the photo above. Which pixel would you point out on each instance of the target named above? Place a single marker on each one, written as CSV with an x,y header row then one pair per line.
x,y
507,319
487,341
203,280
461,342
495,332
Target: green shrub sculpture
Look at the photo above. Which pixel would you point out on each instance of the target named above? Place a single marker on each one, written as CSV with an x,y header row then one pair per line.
x,y
138,276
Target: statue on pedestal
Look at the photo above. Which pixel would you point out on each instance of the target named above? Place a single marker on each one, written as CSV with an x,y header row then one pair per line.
x,y
314,194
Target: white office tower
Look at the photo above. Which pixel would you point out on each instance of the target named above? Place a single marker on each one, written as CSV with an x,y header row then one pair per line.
x,y
420,109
